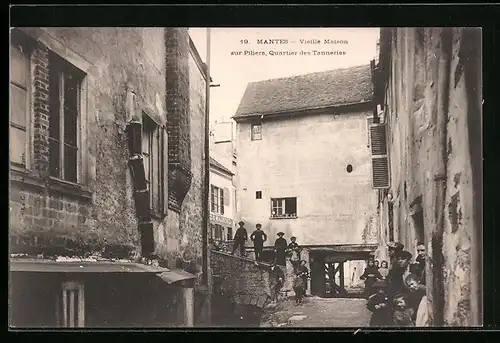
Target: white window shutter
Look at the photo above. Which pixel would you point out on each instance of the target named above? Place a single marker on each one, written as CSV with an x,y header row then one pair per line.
x,y
380,160
227,196
369,123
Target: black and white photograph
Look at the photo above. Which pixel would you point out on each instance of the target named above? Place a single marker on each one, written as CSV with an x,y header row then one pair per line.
x,y
250,177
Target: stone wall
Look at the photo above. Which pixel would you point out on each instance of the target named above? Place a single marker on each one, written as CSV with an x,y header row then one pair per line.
x,y
244,281
98,210
434,74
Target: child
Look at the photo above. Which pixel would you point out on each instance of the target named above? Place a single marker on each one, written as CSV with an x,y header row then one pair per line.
x,y
384,269
298,288
293,250
370,276
402,313
416,292
378,304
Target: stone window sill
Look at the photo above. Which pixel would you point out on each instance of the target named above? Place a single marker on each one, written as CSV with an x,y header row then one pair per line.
x,y
69,188
25,178
283,217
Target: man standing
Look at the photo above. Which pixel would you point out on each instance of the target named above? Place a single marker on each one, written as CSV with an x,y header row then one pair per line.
x,y
397,274
258,238
240,237
420,259
280,246
393,248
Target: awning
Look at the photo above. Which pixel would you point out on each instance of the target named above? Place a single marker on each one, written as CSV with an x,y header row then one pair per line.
x,y
84,266
96,266
177,275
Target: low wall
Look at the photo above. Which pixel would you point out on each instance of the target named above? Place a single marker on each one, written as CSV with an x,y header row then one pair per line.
x,y
241,279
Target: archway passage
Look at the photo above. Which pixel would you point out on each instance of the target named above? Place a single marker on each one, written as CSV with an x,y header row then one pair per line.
x,y
335,274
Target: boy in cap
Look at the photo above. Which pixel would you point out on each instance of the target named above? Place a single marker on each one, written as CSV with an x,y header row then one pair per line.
x,y
280,249
378,304
240,237
258,237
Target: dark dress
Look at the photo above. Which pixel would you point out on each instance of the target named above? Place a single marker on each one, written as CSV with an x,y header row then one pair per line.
x,y
396,284
381,317
258,238
370,275
280,247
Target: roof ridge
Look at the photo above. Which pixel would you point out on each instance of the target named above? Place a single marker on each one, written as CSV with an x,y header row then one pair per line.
x,y
312,73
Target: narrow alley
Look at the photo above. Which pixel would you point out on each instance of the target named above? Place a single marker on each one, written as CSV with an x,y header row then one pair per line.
x,y
320,312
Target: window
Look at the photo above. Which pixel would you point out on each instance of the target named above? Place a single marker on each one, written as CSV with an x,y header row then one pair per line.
x,y
153,162
217,199
71,309
19,105
256,132
64,118
217,233
258,195
284,208
229,233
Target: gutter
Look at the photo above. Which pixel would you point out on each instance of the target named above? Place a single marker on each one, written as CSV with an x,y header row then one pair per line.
x,y
336,109
442,109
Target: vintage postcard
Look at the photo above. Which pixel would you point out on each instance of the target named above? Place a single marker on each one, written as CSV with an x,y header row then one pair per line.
x,y
174,177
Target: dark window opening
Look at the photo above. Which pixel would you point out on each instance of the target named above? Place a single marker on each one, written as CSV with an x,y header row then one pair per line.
x,y
417,215
229,233
284,208
349,168
258,195
64,116
216,232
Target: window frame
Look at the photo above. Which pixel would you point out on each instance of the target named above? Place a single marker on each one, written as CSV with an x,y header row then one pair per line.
x,y
217,200
156,151
27,50
256,136
280,203
62,66
65,319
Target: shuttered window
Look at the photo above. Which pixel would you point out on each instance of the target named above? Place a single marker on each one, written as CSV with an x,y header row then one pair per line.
x,y
153,147
369,121
380,162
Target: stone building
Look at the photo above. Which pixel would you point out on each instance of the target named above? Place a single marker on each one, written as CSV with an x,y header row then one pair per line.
x,y
304,169
428,88
106,191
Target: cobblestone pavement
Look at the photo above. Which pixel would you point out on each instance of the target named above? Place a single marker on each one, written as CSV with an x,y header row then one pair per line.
x,y
321,312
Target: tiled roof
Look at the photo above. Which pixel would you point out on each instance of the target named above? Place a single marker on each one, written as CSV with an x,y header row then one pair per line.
x,y
217,164
316,90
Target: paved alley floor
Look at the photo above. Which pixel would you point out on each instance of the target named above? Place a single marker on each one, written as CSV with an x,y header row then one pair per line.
x,y
321,312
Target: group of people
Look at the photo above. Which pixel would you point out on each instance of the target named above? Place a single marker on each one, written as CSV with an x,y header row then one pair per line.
x,y
397,295
282,251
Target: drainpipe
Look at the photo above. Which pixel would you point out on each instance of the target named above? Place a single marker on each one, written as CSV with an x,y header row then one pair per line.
x,y
442,107
206,224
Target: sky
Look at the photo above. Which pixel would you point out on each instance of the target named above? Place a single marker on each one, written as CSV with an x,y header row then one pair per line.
x,y
234,72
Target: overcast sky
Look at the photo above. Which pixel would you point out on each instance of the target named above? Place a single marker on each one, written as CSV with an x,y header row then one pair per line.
x,y
233,73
